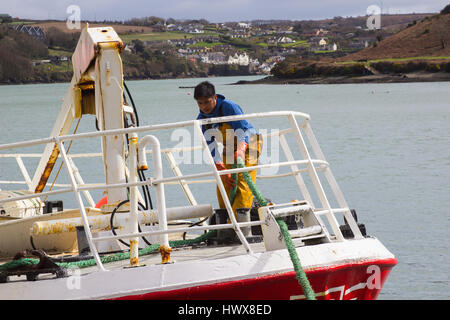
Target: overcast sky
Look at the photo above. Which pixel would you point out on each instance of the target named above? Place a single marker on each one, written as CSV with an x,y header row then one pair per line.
x,y
212,10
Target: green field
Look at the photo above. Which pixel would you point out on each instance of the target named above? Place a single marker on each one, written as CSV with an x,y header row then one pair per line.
x,y
400,59
59,53
21,22
65,66
410,58
203,44
299,43
323,51
161,36
155,36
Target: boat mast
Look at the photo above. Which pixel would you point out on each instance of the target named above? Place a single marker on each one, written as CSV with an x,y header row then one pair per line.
x,y
96,88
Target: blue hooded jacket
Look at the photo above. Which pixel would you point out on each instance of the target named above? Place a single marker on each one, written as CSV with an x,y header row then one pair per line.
x,y
242,128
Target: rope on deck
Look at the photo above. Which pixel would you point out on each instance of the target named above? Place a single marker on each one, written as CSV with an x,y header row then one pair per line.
x,y
18,263
142,252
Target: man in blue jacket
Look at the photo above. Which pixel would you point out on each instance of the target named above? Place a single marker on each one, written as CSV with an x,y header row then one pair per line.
x,y
239,139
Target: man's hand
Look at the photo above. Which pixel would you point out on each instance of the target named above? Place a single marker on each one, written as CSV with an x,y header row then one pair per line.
x,y
240,150
227,179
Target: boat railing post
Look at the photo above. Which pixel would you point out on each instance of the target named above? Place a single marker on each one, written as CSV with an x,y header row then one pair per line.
x,y
294,168
24,171
332,181
298,177
315,179
221,187
133,222
183,184
78,177
84,218
164,248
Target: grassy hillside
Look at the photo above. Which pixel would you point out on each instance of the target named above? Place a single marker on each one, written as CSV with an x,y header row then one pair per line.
x,y
422,46
429,37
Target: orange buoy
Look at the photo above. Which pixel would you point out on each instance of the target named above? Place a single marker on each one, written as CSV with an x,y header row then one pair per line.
x,y
102,201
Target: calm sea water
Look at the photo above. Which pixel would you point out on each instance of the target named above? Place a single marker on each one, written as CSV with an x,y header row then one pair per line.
x,y
388,146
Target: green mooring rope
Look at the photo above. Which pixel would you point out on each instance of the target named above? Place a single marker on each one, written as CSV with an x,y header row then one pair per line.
x,y
142,252
18,263
108,258
301,275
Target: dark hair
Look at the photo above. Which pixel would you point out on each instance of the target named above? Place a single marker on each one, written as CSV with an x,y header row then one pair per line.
x,y
204,89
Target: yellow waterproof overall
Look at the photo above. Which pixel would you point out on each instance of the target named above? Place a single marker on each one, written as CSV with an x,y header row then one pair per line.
x,y
244,196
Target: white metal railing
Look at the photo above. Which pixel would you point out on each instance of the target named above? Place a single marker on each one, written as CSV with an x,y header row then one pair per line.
x,y
318,163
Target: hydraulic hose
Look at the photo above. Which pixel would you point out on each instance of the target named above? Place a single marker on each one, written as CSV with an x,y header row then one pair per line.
x,y
111,222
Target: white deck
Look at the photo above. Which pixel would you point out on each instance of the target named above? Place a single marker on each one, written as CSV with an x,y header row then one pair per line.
x,y
192,267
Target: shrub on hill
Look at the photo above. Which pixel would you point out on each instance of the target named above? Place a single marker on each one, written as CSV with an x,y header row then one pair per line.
x,y
387,67
56,38
446,10
16,51
292,70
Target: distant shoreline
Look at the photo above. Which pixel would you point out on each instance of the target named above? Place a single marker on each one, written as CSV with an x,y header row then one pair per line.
x,y
129,79
380,78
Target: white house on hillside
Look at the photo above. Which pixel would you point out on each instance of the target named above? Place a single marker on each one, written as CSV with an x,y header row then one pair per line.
x,y
285,40
214,58
242,59
243,25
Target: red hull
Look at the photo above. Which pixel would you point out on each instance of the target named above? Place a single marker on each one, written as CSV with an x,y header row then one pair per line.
x,y
362,281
